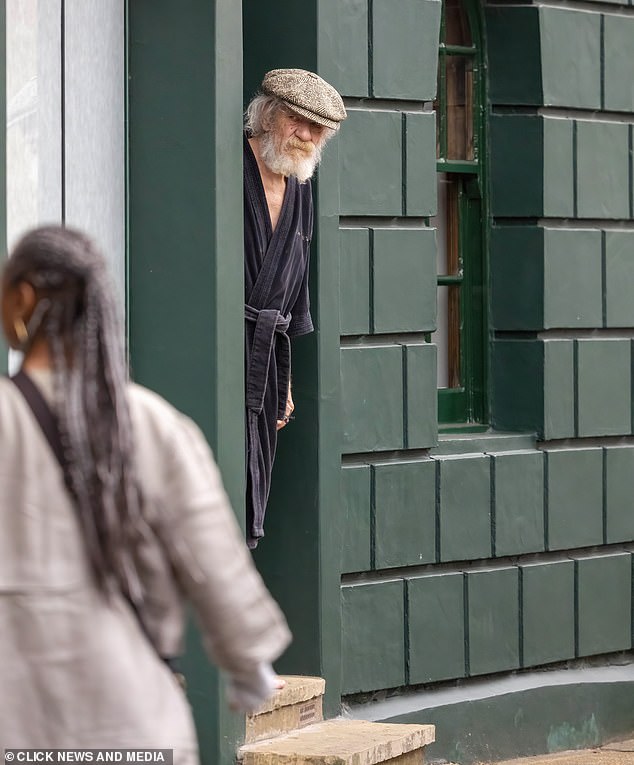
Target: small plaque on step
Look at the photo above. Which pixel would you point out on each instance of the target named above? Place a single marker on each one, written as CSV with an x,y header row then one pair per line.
x,y
308,713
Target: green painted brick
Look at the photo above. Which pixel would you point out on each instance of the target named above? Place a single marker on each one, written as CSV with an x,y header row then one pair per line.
x,y
373,643
619,494
533,387
605,604
532,166
405,48
354,281
356,518
559,389
405,502
518,385
572,279
604,374
371,158
420,174
619,63
519,502
517,171
436,629
548,612
372,398
575,498
558,163
517,277
619,278
421,413
571,58
465,507
348,67
493,613
602,175
545,278
514,79
404,280
560,61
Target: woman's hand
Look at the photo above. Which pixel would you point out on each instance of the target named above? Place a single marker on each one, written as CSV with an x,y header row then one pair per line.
x,y
249,689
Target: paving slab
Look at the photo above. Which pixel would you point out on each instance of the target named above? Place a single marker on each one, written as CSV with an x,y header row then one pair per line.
x,y
296,705
298,688
617,753
620,746
342,742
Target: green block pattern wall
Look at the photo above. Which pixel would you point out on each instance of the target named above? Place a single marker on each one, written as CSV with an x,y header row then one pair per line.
x,y
484,506
469,552
562,267
464,623
568,388
387,155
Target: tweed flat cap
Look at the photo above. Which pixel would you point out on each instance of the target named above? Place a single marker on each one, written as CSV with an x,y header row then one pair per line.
x,y
306,94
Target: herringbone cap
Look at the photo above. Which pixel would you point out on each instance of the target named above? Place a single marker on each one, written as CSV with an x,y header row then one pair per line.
x,y
306,94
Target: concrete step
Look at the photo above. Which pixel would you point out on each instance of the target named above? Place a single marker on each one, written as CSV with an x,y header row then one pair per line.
x,y
618,753
296,705
343,742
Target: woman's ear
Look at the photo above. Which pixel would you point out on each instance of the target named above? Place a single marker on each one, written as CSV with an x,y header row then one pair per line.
x,y
25,300
18,302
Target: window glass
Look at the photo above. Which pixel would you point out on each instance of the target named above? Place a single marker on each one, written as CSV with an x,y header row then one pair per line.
x,y
459,106
461,319
447,334
457,30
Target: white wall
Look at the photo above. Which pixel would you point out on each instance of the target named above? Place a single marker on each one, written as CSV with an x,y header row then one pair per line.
x,y
66,119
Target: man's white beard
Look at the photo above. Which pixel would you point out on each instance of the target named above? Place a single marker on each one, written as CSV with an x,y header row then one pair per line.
x,y
286,160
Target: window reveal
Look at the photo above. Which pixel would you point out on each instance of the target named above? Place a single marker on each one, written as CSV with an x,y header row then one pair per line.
x,y
461,328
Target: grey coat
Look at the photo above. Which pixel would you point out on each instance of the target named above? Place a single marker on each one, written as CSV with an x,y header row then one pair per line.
x,y
77,671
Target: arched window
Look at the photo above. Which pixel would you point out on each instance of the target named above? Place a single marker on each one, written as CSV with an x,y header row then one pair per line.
x,y
461,336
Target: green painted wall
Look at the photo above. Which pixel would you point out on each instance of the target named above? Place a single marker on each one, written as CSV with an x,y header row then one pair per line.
x,y
538,713
453,552
299,557
404,559
478,543
465,554
185,229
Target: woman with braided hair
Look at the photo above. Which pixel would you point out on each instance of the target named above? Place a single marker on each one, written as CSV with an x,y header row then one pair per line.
x,y
112,515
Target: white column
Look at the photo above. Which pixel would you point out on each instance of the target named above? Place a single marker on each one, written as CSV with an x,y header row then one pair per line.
x,y
34,143
94,124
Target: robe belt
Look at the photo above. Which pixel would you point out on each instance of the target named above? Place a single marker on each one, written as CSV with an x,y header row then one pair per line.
x,y
267,322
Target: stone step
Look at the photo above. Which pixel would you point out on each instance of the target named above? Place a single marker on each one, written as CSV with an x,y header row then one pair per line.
x,y
343,742
296,705
618,753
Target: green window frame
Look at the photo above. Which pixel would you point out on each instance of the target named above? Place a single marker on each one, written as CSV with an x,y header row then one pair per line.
x,y
462,272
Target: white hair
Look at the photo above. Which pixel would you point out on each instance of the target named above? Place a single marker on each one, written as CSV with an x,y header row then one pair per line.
x,y
298,163
261,113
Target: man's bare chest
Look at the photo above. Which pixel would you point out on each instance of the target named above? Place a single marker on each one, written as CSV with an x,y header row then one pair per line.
x,y
274,201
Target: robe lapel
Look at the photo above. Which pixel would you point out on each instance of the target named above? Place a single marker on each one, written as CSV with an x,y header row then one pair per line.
x,y
275,249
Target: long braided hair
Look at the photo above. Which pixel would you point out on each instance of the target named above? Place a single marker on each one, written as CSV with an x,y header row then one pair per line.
x,y
77,314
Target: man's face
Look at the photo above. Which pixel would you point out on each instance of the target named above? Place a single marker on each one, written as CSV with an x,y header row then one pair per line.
x,y
292,125
293,145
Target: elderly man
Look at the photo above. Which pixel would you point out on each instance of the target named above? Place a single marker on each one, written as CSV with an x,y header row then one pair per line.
x,y
286,128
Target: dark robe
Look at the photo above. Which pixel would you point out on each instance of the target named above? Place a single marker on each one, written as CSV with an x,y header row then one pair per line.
x,y
276,309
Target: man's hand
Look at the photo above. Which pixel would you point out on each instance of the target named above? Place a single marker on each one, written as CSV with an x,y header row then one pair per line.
x,y
290,407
